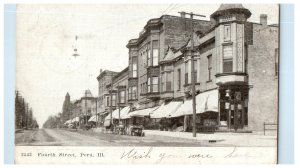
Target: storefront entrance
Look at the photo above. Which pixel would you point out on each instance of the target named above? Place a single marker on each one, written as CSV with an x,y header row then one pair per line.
x,y
233,103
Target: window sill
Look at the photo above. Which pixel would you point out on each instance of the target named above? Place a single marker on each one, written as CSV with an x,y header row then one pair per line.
x,y
208,81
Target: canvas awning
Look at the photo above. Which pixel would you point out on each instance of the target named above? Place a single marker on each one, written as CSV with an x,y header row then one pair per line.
x,y
76,119
106,123
206,101
124,113
113,115
93,118
143,112
165,110
67,122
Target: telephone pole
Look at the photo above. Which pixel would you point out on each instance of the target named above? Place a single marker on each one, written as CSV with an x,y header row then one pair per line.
x,y
193,69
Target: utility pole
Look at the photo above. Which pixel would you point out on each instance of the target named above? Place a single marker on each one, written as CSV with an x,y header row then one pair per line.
x,y
193,69
96,113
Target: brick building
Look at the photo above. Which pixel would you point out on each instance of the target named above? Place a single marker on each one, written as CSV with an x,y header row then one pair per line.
x,y
235,65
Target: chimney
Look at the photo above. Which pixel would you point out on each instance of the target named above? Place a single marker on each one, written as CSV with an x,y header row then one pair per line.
x,y
182,14
264,19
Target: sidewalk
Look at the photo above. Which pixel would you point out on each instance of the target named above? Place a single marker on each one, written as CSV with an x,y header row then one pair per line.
x,y
256,139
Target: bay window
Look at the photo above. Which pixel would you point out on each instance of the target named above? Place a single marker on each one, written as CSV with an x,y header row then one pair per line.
x,y
155,84
155,52
227,59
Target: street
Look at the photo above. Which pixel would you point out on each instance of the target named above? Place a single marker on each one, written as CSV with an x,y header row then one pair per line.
x,y
61,137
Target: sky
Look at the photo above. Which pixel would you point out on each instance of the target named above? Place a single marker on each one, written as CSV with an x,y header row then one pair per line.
x,y
45,67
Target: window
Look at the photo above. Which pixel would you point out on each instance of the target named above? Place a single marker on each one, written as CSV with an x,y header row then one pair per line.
x,y
209,67
113,102
155,84
107,101
134,70
134,92
162,82
149,85
149,54
129,93
168,81
227,33
227,59
178,79
122,96
155,52
276,61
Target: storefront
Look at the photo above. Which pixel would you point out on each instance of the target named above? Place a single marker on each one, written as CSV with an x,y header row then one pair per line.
x,y
233,104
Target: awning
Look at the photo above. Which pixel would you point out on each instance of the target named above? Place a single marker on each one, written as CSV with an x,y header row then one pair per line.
x,y
67,122
114,114
206,101
124,114
93,118
76,119
143,112
107,123
165,110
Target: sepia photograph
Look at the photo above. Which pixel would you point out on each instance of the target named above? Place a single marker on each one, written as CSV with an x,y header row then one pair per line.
x,y
94,79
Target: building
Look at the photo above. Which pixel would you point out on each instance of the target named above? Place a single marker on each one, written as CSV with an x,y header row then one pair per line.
x,y
106,101
235,72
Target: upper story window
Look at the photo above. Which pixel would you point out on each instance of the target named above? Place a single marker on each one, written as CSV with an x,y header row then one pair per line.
x,y
209,67
227,33
155,84
149,85
134,69
168,81
132,92
107,102
155,52
276,61
113,101
178,79
227,59
148,54
122,96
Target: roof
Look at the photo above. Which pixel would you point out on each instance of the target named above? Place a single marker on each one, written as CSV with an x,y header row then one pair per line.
x,y
229,8
106,72
87,93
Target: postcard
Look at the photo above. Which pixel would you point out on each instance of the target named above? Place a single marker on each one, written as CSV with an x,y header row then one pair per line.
x,y
146,83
